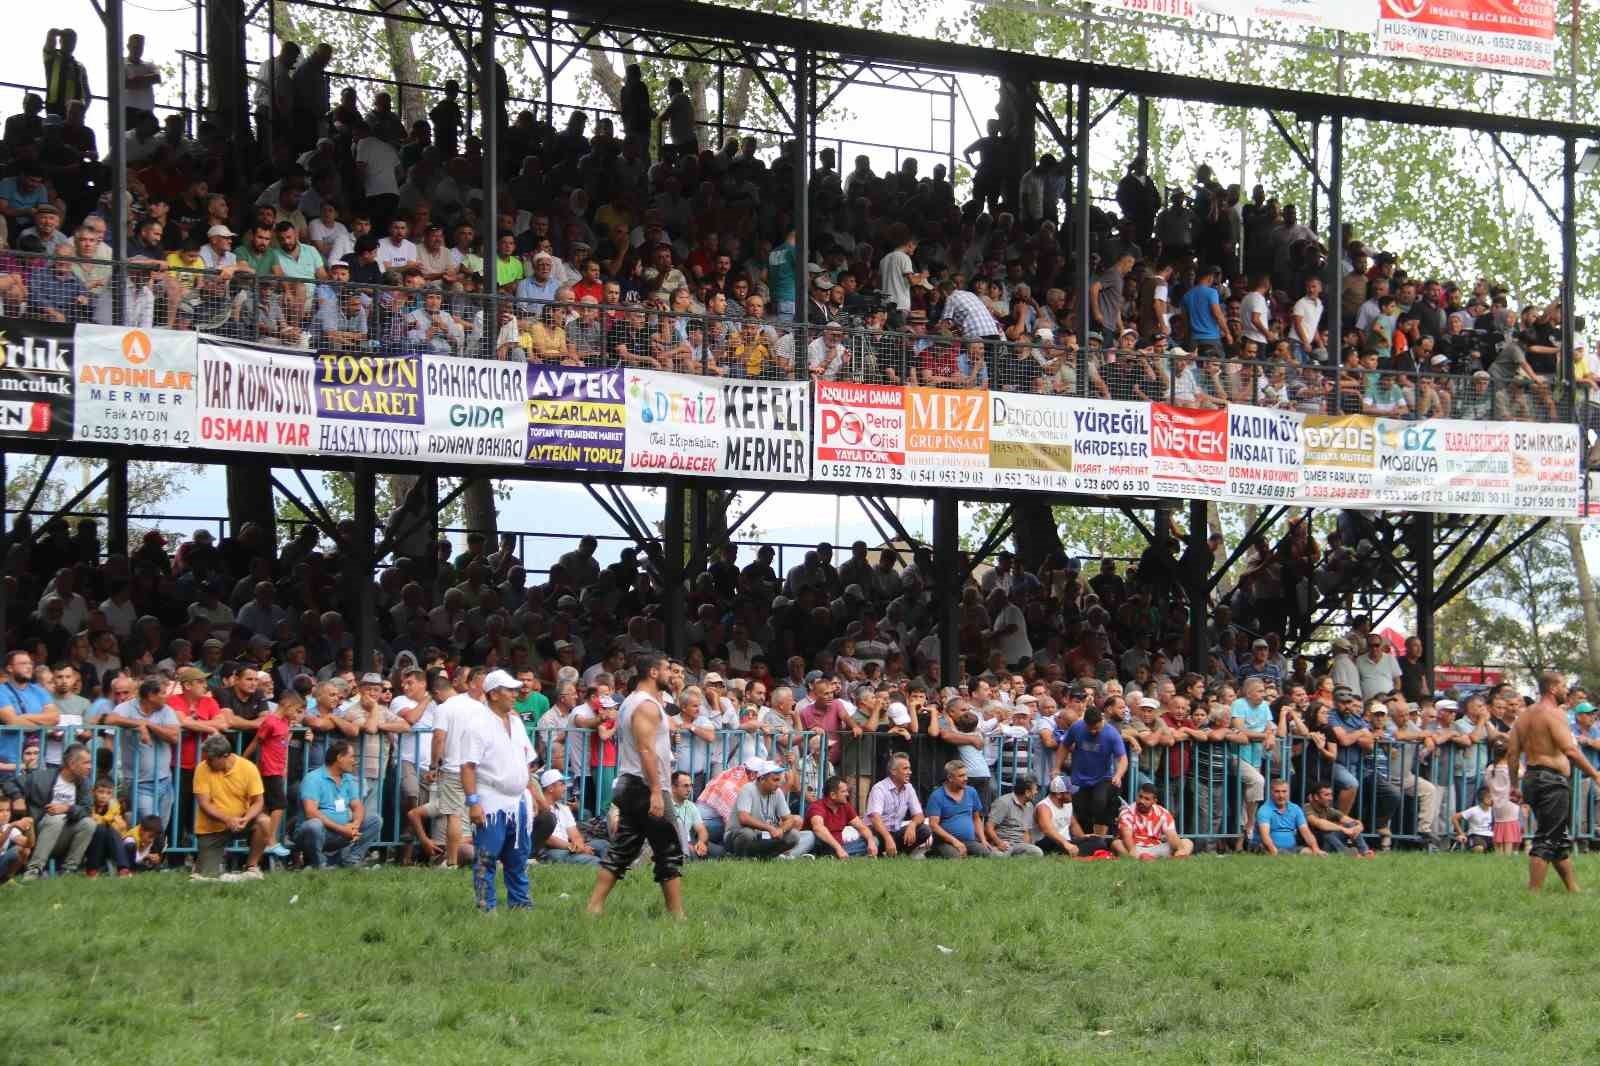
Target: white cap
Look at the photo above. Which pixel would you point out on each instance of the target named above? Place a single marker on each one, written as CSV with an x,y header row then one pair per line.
x,y
769,768
499,679
550,777
898,714
755,764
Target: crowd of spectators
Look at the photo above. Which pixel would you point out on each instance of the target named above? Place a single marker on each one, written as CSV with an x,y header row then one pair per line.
x,y
187,701
636,240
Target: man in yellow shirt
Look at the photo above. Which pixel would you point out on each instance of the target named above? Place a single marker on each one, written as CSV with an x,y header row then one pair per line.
x,y
229,798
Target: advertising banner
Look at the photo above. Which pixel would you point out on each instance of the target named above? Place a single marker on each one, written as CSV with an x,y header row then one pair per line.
x,y
35,379
947,436
1188,451
1512,35
679,424
474,410
256,398
134,386
575,417
369,404
1352,16
860,432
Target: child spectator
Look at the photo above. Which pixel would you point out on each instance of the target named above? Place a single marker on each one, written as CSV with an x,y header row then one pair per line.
x,y
1475,827
270,752
111,842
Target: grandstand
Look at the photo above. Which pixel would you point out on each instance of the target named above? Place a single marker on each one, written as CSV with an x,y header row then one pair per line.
x,y
301,283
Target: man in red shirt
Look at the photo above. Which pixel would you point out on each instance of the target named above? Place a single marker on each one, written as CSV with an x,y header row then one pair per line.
x,y
823,713
199,717
1148,831
839,829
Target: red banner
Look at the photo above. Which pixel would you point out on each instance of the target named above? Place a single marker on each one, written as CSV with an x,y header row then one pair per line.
x,y
1512,35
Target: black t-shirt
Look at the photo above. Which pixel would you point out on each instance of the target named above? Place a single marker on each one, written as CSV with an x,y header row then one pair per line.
x,y
248,709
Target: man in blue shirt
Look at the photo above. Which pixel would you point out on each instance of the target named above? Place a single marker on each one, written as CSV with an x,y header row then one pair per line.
x,y
1281,827
23,705
1099,764
1252,714
1208,326
144,749
337,828
955,816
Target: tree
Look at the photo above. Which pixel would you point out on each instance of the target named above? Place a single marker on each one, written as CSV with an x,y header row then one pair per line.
x,y
150,487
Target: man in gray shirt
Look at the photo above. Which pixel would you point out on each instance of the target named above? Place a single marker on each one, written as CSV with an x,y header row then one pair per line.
x,y
1010,821
1106,298
762,826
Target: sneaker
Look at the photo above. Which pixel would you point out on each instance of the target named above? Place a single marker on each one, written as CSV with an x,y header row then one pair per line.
x,y
30,874
278,851
91,874
251,873
124,873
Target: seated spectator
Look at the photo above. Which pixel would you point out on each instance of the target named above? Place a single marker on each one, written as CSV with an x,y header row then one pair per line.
x,y
565,844
955,816
1336,832
229,806
1055,827
1147,830
1281,827
762,826
1011,820
1474,826
59,803
336,828
697,842
839,830
895,814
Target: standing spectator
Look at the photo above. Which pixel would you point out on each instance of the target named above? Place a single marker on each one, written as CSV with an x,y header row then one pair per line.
x,y
446,118
895,813
1252,716
59,805
270,750
1099,764
140,80
676,123
336,826
229,798
1147,830
147,749
955,816
1281,826
762,825
1378,670
495,760
22,704
65,79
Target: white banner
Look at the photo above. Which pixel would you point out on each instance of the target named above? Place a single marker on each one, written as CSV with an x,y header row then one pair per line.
x,y
256,398
476,410
705,426
134,386
1352,16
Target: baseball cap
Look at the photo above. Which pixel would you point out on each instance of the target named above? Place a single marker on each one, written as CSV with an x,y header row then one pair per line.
x,y
189,673
1059,786
769,768
1077,692
712,678
1447,705
1343,692
499,679
1259,643
899,714
1584,708
372,679
220,231
550,777
1148,702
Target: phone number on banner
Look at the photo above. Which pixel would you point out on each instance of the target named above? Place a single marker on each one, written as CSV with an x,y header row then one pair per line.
x,y
173,438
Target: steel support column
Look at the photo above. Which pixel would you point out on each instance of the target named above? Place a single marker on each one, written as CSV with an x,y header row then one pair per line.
x,y
1080,240
804,89
117,132
1144,128
1333,299
1422,552
358,576
117,507
699,521
672,601
1198,587
489,90
1569,263
947,583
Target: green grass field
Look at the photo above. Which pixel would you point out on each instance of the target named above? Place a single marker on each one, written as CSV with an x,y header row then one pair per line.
x,y
1404,959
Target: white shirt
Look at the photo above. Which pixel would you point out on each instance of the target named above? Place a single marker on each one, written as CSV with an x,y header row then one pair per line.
x,y
392,255
827,361
120,619
381,160
1377,677
143,95
500,750
564,822
1015,645
1255,304
1307,314
340,243
455,716
1478,822
416,747
892,270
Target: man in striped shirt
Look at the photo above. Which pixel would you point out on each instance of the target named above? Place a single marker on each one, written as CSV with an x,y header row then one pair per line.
x,y
1147,830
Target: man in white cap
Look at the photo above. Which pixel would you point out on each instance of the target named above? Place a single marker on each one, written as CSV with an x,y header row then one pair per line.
x,y
564,843
495,758
446,799
642,792
762,826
